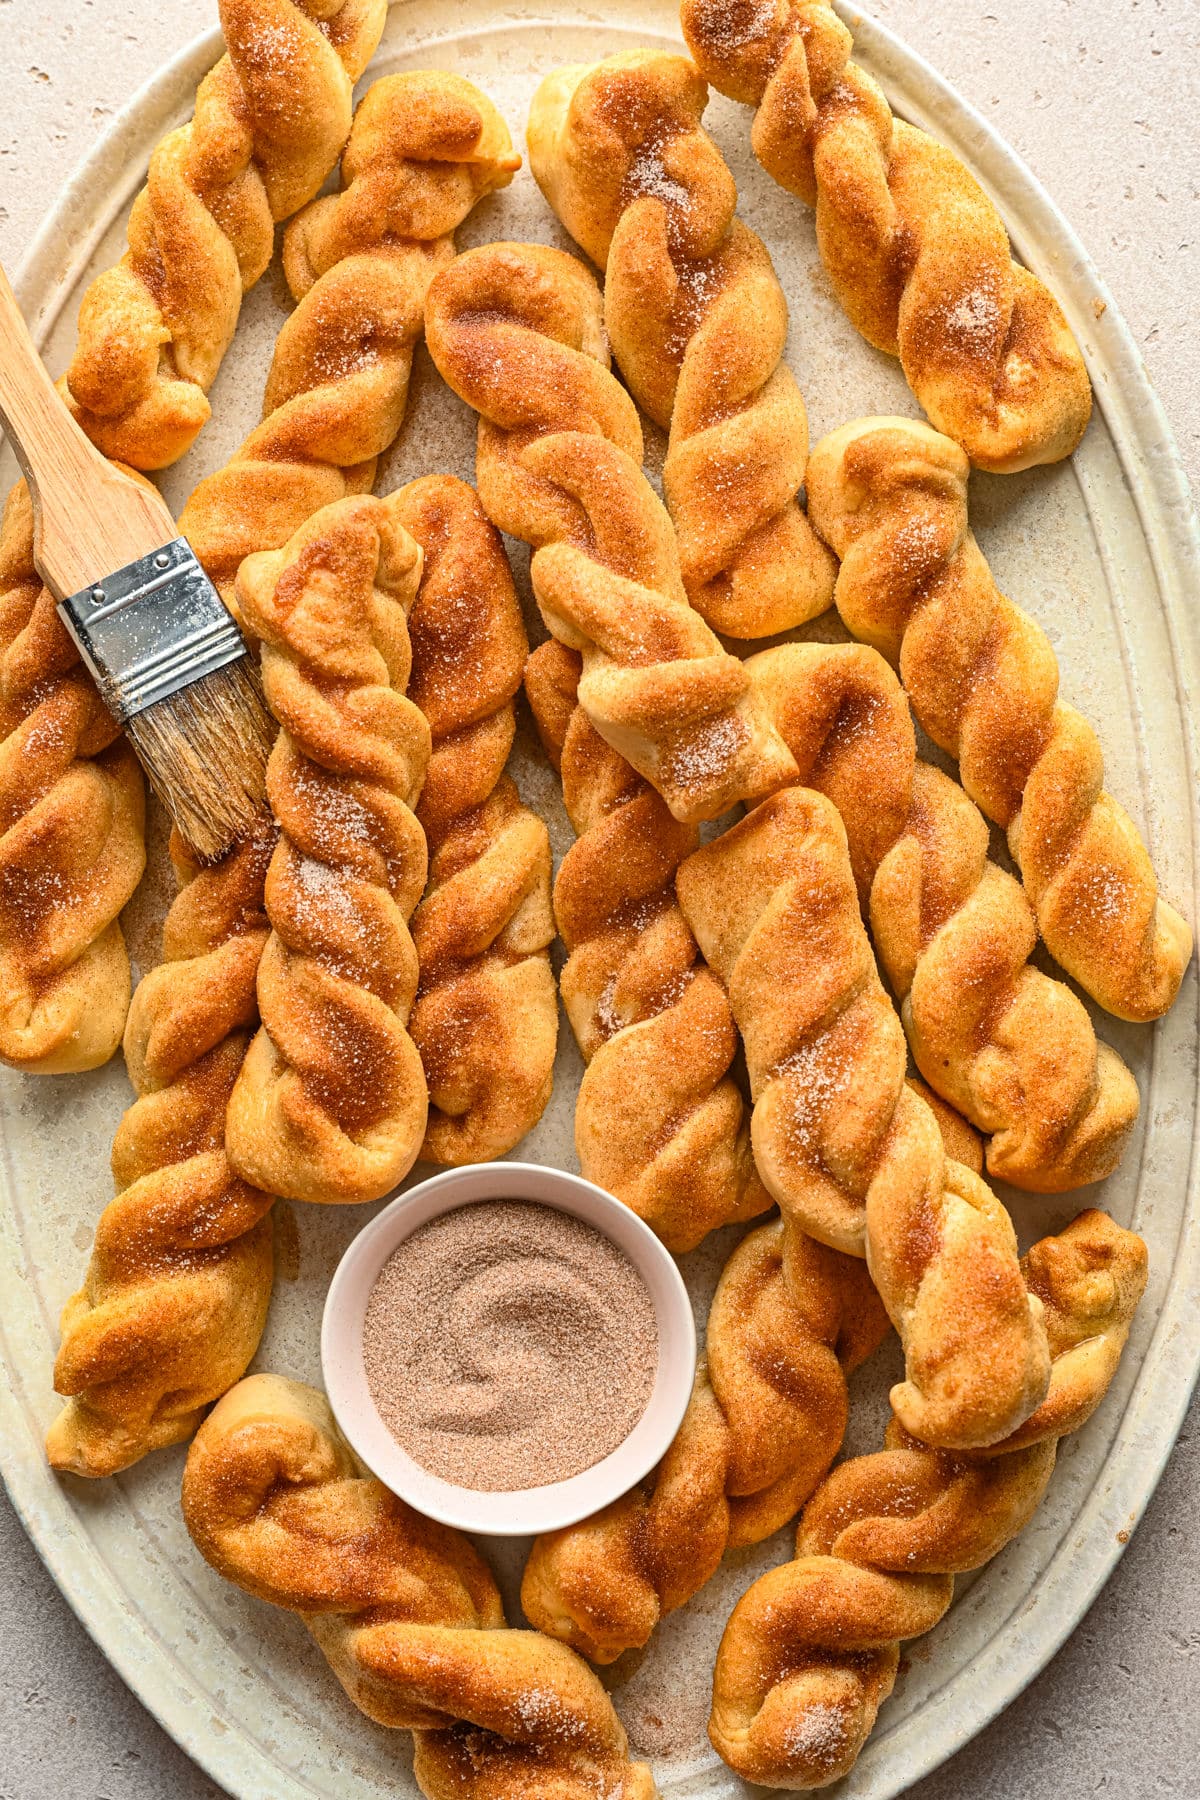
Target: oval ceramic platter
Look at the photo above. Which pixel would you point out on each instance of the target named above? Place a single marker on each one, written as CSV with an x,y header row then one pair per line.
x,y
1102,550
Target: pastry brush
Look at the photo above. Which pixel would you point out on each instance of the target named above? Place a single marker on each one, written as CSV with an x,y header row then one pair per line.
x,y
165,651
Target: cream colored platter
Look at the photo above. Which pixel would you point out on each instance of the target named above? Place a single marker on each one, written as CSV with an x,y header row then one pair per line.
x,y
1104,551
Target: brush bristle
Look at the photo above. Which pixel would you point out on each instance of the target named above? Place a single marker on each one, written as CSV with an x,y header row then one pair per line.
x,y
205,752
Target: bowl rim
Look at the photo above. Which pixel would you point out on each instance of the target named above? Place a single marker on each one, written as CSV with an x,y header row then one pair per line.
x,y
517,1512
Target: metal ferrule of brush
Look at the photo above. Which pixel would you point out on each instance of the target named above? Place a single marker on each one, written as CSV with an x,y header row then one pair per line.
x,y
152,628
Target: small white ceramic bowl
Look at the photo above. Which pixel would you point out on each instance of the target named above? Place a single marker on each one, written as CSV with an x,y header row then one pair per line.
x,y
525,1510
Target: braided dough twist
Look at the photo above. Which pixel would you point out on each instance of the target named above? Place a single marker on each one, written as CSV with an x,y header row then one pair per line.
x,y
486,1014
424,149
1009,1046
917,253
790,1320
175,1296
659,1120
270,121
330,1103
698,324
72,811
405,1611
890,496
517,331
812,1649
851,1153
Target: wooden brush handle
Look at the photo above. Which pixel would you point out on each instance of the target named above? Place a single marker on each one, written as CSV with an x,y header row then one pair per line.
x,y
90,518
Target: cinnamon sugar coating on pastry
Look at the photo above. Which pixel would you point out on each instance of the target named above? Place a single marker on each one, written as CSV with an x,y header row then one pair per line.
x,y
698,324
517,331
330,1103
423,150
485,1019
890,497
659,1120
917,253
1014,1050
789,1321
853,1155
270,121
72,850
176,1291
405,1611
812,1649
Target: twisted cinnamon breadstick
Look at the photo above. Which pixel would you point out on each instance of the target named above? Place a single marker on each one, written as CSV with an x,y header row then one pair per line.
x,y
423,150
659,1121
789,1321
269,123
175,1296
72,850
405,1611
330,1103
812,1649
486,1014
853,1155
917,253
517,331
1011,1048
698,324
890,496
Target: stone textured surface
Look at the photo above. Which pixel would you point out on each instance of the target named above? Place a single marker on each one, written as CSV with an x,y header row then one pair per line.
x,y
1102,101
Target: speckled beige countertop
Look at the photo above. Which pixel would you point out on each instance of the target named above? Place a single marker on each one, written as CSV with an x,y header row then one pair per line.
x,y
1101,97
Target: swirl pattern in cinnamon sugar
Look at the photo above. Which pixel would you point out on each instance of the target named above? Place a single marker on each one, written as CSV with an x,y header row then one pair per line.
x,y
890,497
517,331
813,1648
698,324
851,1153
917,253
424,149
659,1120
72,848
485,1019
270,121
405,1611
1010,1047
175,1296
790,1320
330,1103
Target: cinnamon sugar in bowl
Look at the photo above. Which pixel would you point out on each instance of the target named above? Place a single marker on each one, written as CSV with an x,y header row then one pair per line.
x,y
508,1348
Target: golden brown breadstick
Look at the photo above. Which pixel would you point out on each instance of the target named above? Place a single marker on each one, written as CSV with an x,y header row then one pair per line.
x,y
917,253
517,331
1013,1049
405,1611
659,1120
175,1296
698,324
72,849
890,496
853,1155
330,1103
812,1649
486,1014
